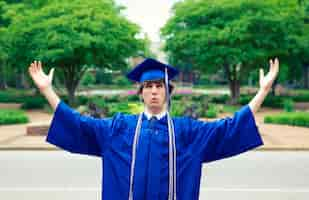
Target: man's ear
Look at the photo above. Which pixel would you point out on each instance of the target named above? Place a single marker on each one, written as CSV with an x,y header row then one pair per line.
x,y
141,97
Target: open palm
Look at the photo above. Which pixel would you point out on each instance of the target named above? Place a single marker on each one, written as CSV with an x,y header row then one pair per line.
x,y
37,74
267,81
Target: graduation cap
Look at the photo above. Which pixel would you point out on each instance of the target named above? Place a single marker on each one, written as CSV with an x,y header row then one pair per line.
x,y
151,70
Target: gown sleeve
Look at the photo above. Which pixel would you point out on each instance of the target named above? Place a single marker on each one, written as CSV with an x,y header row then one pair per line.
x,y
225,137
75,133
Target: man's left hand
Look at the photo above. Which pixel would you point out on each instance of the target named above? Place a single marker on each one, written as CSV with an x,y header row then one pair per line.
x,y
267,81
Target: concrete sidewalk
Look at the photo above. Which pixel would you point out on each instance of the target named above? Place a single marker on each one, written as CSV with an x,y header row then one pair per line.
x,y
275,137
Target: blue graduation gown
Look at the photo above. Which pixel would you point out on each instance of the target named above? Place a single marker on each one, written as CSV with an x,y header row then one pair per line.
x,y
197,142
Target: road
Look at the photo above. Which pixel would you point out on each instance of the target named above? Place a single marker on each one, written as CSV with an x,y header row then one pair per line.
x,y
258,175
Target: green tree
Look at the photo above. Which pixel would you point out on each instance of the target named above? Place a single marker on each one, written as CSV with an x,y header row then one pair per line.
x,y
237,36
10,10
304,43
3,50
72,36
3,59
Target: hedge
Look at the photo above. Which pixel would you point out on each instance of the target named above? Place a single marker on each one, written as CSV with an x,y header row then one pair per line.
x,y
270,101
12,117
290,118
33,102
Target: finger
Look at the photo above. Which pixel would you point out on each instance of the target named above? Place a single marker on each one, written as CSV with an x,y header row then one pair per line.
x,y
30,69
261,74
270,62
276,70
33,67
277,62
40,68
271,67
40,65
51,74
274,66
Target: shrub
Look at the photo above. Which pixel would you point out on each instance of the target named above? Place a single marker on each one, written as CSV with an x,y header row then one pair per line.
x,y
12,117
12,97
270,101
103,77
199,98
135,108
300,97
211,112
98,100
294,119
87,79
33,102
121,81
114,108
244,99
177,108
5,98
112,99
288,105
229,108
220,99
82,100
133,98
177,97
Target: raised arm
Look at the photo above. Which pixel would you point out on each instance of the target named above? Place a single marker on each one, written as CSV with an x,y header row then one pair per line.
x,y
44,83
265,85
69,129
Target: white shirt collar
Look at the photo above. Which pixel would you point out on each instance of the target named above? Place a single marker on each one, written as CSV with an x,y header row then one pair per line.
x,y
158,116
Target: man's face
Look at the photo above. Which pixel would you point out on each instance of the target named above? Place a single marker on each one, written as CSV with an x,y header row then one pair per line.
x,y
153,93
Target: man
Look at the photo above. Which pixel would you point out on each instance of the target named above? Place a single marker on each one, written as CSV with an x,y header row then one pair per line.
x,y
151,155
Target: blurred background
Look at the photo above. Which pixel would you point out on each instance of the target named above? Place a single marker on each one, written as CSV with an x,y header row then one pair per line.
x,y
218,46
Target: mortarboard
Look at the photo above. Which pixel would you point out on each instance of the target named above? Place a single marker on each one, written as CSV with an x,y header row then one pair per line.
x,y
151,69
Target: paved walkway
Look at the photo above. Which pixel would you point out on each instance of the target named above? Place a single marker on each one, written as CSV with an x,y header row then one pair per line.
x,y
276,137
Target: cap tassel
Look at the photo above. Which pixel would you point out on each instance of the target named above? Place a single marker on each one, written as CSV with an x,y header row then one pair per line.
x,y
172,145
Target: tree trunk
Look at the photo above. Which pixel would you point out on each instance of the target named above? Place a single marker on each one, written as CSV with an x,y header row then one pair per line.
x,y
72,77
70,85
24,81
234,83
71,94
21,81
306,75
235,91
3,84
273,87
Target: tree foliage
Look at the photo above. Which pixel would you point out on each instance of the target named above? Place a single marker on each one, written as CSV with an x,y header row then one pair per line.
x,y
237,36
72,36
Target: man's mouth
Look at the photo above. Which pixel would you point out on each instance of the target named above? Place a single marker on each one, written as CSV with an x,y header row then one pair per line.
x,y
154,100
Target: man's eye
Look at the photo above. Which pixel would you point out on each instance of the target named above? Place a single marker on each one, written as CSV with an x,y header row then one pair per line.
x,y
147,86
159,85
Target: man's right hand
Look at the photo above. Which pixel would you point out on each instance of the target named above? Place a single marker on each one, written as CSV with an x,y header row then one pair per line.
x,y
41,80
44,83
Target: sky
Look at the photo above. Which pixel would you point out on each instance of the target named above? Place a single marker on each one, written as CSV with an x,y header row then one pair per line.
x,y
150,15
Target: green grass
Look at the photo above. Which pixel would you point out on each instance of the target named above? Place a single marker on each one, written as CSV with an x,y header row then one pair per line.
x,y
229,108
300,91
12,117
289,118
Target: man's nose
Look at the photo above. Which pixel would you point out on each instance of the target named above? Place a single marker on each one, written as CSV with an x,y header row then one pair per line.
x,y
154,89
